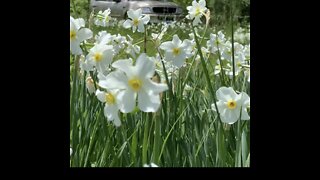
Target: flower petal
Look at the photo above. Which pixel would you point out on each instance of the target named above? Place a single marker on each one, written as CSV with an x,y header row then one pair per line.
x,y
244,114
148,102
114,80
126,100
124,65
245,99
176,41
84,34
131,14
144,66
202,3
137,13
167,46
145,19
152,87
111,112
168,56
101,95
75,48
230,116
225,94
141,27
179,61
128,23
80,22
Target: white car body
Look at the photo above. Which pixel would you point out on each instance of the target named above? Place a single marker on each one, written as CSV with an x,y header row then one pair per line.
x,y
158,10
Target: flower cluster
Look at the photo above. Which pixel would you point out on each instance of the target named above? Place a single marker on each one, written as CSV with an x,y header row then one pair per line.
x,y
121,77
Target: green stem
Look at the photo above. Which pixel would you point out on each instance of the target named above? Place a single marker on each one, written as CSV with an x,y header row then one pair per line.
x,y
232,44
238,148
206,72
145,40
145,140
156,145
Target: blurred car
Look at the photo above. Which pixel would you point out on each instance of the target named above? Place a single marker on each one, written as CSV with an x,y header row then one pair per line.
x,y
158,10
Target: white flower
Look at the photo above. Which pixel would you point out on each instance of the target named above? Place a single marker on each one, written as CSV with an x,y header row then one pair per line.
x,y
100,56
118,43
132,49
70,151
246,51
176,50
158,36
216,41
111,105
229,104
103,38
247,73
77,35
90,85
205,54
136,20
245,105
103,18
150,165
84,65
133,81
196,11
238,52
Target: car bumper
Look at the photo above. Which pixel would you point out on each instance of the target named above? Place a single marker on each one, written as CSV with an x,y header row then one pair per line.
x,y
157,18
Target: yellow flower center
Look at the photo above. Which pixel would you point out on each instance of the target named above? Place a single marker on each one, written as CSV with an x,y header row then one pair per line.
x,y
198,11
97,57
176,51
135,22
110,99
238,64
231,104
72,35
135,84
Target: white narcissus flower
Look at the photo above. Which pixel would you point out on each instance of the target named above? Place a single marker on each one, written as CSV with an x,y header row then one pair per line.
x,y
100,56
238,52
216,42
84,65
133,81
158,36
103,38
111,105
196,11
90,85
118,43
132,49
247,73
150,165
77,35
205,54
246,52
103,18
229,104
245,105
136,20
176,50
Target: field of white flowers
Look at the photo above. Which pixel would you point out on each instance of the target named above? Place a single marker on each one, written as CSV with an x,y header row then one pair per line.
x,y
159,95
